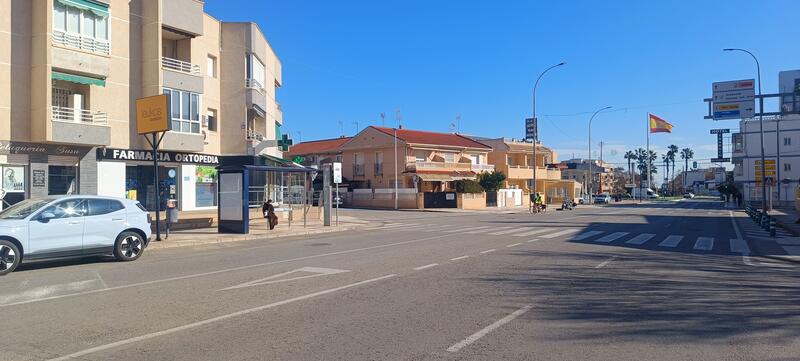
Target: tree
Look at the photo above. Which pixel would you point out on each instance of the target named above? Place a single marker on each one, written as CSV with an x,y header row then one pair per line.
x,y
642,158
468,186
631,157
686,154
493,181
673,151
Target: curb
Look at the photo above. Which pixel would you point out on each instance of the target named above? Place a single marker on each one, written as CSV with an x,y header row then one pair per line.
x,y
756,252
166,244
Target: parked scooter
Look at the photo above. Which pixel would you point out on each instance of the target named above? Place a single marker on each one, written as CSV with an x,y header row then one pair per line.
x,y
567,205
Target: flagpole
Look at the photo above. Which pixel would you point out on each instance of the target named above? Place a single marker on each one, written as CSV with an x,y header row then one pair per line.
x,y
648,153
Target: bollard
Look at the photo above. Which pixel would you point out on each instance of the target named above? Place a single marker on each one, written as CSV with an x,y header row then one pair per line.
x,y
772,227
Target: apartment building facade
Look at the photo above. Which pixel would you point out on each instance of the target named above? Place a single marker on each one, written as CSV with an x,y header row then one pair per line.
x,y
71,70
604,175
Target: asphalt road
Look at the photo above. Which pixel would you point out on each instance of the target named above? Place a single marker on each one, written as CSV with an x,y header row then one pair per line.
x,y
667,281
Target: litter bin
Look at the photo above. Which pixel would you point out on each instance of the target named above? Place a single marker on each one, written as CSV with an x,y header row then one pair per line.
x,y
172,213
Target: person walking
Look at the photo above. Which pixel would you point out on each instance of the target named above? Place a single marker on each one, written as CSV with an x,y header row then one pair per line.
x,y
269,213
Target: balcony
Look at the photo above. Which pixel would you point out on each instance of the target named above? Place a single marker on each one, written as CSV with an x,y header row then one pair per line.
x,y
254,84
526,172
70,125
80,42
439,166
481,168
180,66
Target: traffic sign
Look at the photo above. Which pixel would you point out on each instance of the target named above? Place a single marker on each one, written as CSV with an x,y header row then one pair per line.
x,y
733,99
531,128
720,160
337,172
720,131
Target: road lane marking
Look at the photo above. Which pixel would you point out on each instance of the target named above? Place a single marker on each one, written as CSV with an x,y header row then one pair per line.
x,y
585,235
671,241
641,239
488,251
611,237
465,229
317,272
606,262
514,230
485,331
459,258
513,245
704,243
208,321
533,240
47,291
480,230
560,233
535,231
226,270
420,268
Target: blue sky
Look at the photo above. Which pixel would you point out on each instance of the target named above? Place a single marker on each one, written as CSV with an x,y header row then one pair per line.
x,y
348,61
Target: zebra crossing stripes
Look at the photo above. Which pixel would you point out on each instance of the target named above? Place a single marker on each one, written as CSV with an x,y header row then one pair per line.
x,y
499,233
671,241
641,239
704,243
535,231
611,237
585,235
559,233
479,230
465,229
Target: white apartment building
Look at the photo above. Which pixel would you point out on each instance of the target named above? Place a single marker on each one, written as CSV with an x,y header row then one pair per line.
x,y
781,149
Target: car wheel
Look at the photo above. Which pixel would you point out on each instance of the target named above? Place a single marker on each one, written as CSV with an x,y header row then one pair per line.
x,y
9,257
129,246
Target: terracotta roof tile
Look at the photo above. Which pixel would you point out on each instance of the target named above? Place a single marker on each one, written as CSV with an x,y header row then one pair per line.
x,y
317,146
432,138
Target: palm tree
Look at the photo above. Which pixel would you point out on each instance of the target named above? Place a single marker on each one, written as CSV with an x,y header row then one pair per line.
x,y
686,154
630,156
665,162
673,151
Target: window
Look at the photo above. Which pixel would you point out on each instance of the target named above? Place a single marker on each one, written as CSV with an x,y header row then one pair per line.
x,y
787,166
68,208
255,70
211,67
59,16
99,207
73,20
80,28
211,120
475,158
378,163
88,25
421,155
185,111
449,157
787,141
358,164
510,160
206,186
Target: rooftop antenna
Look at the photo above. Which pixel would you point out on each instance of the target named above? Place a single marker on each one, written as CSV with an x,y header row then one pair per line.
x,y
399,118
299,136
357,128
383,119
453,128
458,123
341,129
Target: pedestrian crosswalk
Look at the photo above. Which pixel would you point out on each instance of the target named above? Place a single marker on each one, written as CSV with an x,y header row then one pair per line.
x,y
700,243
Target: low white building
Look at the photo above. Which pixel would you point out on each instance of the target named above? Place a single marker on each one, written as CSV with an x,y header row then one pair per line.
x,y
781,149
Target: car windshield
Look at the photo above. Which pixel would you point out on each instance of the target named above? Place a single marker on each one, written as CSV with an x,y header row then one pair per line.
x,y
24,208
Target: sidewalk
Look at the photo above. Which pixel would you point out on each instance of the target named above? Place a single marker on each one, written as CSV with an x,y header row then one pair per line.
x,y
784,246
258,231
786,218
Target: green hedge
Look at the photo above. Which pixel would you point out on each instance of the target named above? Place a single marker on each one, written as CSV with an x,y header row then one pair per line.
x,y
468,186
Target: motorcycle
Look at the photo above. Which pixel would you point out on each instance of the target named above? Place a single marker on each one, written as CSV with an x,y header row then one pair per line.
x,y
567,205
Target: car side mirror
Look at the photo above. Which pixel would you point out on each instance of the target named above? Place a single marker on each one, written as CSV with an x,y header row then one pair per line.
x,y
46,217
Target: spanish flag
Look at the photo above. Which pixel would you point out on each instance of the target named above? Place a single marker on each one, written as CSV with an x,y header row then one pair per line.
x,y
658,125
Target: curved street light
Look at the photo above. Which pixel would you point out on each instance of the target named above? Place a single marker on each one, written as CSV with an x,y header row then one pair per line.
x,y
536,125
589,188
761,126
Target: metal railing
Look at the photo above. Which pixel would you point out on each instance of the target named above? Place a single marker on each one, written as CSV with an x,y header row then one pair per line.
x,y
83,116
179,66
253,84
81,42
253,135
442,165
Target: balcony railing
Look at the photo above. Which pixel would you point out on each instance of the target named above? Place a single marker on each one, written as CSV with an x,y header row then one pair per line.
x,y
480,168
83,116
80,42
180,66
442,165
253,84
253,135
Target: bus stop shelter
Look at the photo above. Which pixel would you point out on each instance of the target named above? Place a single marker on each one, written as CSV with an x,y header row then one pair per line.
x,y
242,187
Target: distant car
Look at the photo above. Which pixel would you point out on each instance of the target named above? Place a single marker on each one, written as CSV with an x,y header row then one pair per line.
x,y
689,195
602,199
72,226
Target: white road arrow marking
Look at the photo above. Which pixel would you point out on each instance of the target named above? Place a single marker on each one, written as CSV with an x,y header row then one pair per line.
x,y
317,271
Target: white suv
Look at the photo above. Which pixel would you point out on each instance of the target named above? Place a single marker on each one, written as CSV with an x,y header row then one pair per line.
x,y
71,226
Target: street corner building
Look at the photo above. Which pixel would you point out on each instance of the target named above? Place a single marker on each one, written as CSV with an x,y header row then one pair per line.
x,y
71,71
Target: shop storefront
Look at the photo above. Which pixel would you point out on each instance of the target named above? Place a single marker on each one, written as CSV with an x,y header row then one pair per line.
x,y
189,178
38,169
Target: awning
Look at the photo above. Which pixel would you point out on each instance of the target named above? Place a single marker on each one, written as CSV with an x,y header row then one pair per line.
x,y
435,177
97,8
80,79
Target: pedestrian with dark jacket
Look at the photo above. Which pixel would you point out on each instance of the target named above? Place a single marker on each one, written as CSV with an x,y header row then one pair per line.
x,y
269,213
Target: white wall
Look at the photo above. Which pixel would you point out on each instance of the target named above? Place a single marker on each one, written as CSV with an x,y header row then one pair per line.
x,y
188,181
111,179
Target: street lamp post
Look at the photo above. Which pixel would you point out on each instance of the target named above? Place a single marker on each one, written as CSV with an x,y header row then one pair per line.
x,y
589,189
536,127
761,129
